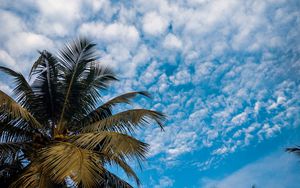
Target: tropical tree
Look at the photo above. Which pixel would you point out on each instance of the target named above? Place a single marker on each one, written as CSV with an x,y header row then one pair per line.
x,y
56,132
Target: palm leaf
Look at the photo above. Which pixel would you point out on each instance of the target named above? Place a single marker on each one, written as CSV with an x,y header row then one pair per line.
x,y
15,110
75,59
23,91
10,133
111,180
64,160
88,90
11,147
46,87
126,121
105,110
33,177
114,143
114,160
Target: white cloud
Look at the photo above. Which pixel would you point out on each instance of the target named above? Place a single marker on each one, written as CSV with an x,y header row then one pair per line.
x,y
25,43
154,24
5,88
6,59
128,35
57,18
10,23
172,42
165,182
240,118
183,76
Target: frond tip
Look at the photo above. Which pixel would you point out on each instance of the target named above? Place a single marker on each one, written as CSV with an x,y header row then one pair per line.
x,y
295,150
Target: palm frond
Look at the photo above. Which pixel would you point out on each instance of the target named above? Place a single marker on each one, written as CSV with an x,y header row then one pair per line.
x,y
64,160
11,147
126,121
88,89
23,91
33,177
75,59
10,133
46,87
115,160
15,110
112,180
105,110
114,143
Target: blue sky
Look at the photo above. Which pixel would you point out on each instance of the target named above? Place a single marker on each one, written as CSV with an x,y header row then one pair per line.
x,y
225,72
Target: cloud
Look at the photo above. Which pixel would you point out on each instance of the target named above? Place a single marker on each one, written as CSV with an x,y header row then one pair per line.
x,y
111,33
172,42
24,43
154,24
57,18
276,170
165,182
6,59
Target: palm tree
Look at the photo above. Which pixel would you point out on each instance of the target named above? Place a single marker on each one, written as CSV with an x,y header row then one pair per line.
x,y
55,132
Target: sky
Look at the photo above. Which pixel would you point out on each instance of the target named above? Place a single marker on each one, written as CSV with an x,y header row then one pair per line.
x,y
226,74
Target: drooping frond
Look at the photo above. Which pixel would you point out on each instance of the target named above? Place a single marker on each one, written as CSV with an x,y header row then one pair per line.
x,y
15,110
114,143
22,90
126,121
63,160
105,110
121,162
